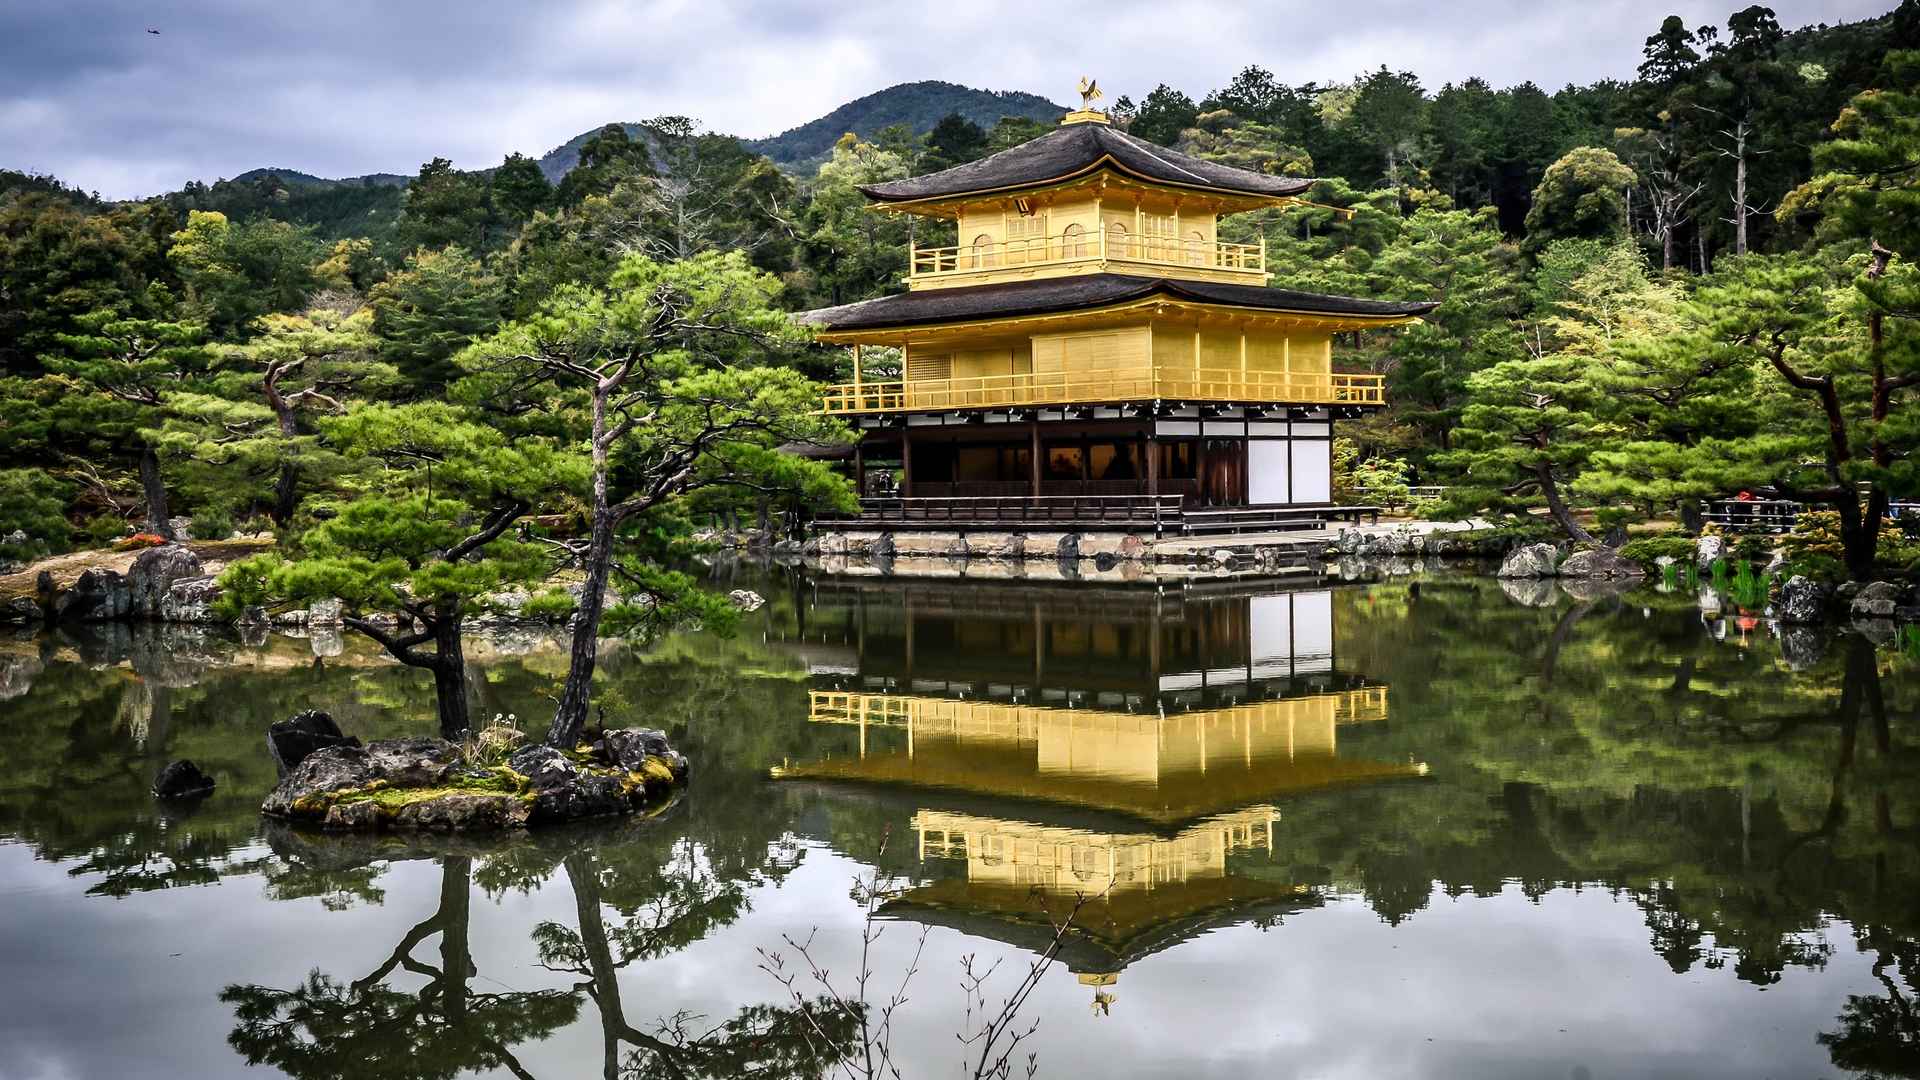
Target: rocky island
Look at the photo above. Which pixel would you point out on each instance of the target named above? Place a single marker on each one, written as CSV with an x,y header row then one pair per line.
x,y
491,782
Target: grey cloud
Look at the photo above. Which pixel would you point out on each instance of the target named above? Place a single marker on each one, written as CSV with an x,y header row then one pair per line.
x,y
356,86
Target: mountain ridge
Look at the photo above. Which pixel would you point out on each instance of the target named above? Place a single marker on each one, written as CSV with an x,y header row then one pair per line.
x,y
920,104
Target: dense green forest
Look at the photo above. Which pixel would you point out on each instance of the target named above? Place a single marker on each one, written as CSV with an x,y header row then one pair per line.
x,y
1653,289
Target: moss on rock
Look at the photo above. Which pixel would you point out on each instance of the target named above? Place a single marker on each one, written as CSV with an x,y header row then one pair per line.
x,y
373,789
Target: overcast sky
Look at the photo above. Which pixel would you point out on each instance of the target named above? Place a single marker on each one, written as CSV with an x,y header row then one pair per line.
x,y
344,87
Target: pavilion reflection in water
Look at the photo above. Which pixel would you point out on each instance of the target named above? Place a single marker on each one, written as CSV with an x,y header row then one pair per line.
x,y
1146,739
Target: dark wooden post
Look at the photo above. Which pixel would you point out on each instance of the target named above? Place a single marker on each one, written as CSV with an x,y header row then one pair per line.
x,y
1200,465
860,468
1033,431
906,462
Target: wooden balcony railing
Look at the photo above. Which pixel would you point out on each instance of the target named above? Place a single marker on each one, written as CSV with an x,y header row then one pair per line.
x,y
1071,247
1085,387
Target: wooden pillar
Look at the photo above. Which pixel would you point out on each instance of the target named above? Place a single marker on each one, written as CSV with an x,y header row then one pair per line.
x,y
1033,456
1152,464
857,373
1246,463
1200,461
906,462
860,467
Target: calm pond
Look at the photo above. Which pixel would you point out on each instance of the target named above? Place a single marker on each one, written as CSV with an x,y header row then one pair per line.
x,y
1409,827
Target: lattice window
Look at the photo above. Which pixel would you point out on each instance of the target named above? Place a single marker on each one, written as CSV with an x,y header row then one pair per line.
x,y
929,365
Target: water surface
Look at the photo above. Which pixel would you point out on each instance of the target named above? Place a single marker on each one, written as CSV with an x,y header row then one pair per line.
x,y
1416,826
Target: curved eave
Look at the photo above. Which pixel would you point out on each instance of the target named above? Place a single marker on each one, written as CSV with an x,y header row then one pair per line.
x,y
1319,320
923,204
1087,171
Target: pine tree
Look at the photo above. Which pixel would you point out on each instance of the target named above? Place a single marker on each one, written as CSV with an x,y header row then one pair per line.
x,y
668,367
129,371
256,413
430,309
425,544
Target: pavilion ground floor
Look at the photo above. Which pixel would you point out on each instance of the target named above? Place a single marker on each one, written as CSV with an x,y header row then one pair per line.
x,y
1180,470
1228,459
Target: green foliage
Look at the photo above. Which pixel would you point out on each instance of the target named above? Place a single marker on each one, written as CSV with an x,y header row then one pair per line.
x,y
213,522
1388,113
955,140
1378,480
1821,568
850,251
1537,419
1814,532
253,418
387,550
235,273
1648,548
1163,114
57,263
445,207
658,600
606,160
431,308
33,503
1582,195
1244,144
1864,185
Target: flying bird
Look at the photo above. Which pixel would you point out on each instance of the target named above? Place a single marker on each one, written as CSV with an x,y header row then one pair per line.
x,y
1089,92
151,30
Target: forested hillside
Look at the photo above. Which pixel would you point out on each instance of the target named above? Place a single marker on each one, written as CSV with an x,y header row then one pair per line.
x,y
916,105
1687,280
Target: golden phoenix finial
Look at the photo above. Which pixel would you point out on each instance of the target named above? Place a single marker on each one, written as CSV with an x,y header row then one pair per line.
x,y
1089,92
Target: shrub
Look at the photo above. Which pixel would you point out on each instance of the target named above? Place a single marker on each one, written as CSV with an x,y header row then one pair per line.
x,y
1752,547
212,523
1378,479
33,504
1815,532
1823,568
1648,548
102,529
1896,548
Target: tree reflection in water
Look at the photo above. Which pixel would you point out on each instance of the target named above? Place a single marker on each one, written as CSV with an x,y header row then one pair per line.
x,y
804,1040
367,1027
329,1028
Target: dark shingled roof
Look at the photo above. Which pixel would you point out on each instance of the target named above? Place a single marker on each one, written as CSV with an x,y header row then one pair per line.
x,y
1048,296
1074,149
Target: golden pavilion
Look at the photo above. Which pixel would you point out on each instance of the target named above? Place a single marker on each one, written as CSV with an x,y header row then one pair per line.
x,y
1091,337
1128,763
